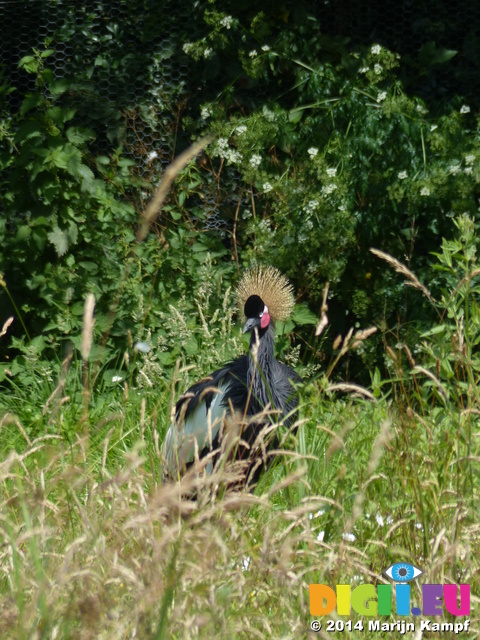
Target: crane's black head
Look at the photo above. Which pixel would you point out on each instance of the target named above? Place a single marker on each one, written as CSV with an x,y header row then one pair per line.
x,y
256,312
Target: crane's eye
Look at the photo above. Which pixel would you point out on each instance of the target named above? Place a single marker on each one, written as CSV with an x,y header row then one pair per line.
x,y
402,572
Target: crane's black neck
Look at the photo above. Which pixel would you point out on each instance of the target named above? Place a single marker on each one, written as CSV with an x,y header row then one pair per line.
x,y
261,366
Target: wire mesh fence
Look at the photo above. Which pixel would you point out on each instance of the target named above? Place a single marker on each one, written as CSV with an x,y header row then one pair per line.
x,y
133,85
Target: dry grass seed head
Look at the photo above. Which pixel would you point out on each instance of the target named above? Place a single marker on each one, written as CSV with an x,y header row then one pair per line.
x,y
88,323
6,324
323,321
400,268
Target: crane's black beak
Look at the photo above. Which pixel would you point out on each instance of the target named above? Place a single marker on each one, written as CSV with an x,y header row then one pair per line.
x,y
250,324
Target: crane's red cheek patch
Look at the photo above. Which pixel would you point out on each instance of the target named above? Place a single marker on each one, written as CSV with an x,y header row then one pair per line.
x,y
265,320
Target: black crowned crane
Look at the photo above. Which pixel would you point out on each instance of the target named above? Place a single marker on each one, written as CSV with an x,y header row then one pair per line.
x,y
252,391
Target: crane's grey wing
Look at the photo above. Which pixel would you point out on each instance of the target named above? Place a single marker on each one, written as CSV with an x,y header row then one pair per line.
x,y
200,414
189,436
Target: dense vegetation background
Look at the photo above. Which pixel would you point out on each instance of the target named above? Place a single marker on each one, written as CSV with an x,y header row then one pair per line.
x,y
336,128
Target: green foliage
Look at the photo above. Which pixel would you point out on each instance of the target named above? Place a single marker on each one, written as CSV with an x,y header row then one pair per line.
x,y
336,159
320,154
70,225
62,216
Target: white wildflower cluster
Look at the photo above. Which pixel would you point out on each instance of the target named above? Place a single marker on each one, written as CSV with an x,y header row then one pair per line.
x,y
265,47
142,347
381,96
453,169
364,70
232,156
425,191
465,109
433,127
328,189
469,159
269,115
241,129
264,232
206,112
255,161
402,175
349,537
312,152
267,187
207,52
226,22
378,69
302,238
331,172
380,519
311,206
376,50
188,47
312,516
253,53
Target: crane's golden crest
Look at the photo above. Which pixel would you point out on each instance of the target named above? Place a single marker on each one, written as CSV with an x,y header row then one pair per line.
x,y
273,288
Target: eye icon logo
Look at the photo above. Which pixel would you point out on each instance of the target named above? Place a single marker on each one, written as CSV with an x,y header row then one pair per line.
x,y
402,572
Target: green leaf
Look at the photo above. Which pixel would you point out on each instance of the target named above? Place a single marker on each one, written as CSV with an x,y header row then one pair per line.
x,y
72,232
78,136
429,54
59,115
59,239
60,86
434,331
295,115
25,60
91,267
31,101
29,63
302,315
37,344
126,162
23,232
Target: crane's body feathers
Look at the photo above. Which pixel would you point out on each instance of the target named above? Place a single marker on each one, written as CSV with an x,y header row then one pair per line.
x,y
232,396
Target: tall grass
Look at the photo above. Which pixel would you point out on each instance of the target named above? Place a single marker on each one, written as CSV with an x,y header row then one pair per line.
x,y
95,545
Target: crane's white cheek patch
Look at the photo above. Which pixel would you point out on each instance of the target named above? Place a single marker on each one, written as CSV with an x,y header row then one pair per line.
x,y
265,320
